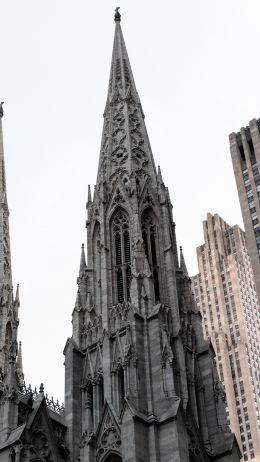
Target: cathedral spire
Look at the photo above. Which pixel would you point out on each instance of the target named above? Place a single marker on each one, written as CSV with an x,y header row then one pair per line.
x,y
125,146
5,257
9,320
121,75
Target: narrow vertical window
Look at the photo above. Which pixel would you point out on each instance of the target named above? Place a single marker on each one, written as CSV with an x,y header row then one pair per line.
x,y
118,249
127,247
121,256
149,233
121,387
120,286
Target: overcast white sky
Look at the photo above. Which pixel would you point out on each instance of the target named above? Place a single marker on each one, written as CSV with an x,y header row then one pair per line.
x,y
196,67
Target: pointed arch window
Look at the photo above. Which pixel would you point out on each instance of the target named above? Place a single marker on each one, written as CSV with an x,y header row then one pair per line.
x,y
150,238
121,256
121,386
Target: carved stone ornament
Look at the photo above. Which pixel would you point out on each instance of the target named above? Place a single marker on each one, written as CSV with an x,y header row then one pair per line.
x,y
40,445
110,438
87,437
118,316
219,392
118,198
9,394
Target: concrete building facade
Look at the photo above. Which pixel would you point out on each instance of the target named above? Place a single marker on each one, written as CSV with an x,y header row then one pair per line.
x,y
245,153
225,293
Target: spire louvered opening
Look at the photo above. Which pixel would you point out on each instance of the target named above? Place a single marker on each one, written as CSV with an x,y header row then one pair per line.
x,y
89,404
120,286
121,386
101,394
121,256
118,249
127,247
150,238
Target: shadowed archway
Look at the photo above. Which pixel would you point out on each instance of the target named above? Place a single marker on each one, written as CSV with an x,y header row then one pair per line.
x,y
113,458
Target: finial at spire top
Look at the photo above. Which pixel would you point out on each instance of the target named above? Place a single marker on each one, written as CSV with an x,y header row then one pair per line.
x,y
117,15
1,109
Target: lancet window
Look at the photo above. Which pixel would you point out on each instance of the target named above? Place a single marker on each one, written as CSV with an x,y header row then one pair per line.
x,y
121,386
150,238
93,396
97,267
121,256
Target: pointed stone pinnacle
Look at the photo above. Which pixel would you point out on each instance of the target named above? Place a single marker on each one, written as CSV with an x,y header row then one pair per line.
x,y
78,300
183,266
89,195
83,265
160,175
41,389
17,295
19,362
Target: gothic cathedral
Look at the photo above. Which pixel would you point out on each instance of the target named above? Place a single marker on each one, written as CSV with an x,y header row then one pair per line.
x,y
140,381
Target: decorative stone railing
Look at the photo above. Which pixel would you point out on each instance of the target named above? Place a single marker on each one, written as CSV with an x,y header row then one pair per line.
x,y
52,405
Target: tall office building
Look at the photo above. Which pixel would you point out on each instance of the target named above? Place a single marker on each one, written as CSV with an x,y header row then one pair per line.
x,y
225,294
245,153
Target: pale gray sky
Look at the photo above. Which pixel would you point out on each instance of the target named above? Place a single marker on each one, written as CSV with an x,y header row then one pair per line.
x,y
197,70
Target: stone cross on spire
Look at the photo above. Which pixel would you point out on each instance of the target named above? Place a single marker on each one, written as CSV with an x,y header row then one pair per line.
x,y
117,14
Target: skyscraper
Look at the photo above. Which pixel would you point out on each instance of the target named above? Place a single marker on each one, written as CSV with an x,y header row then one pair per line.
x,y
140,381
225,293
245,153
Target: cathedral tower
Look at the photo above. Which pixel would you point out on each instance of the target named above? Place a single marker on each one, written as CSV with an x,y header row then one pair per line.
x,y
11,374
140,381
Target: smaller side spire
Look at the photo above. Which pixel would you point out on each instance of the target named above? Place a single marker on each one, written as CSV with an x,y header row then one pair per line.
x,y
82,265
159,175
19,366
78,301
89,195
183,266
1,109
17,296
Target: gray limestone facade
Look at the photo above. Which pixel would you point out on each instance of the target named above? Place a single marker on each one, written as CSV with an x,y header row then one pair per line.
x,y
141,383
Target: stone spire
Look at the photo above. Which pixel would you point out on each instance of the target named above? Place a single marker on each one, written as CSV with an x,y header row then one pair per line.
x,y
19,366
9,317
5,256
125,147
183,266
82,265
